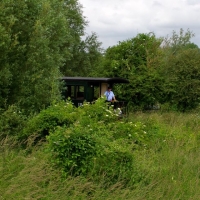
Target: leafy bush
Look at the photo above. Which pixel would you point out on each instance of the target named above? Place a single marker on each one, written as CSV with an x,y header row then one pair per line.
x,y
97,144
72,151
58,114
80,152
12,121
116,163
91,140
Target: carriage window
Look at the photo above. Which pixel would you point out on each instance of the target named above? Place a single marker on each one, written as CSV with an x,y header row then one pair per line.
x,y
80,92
75,91
70,92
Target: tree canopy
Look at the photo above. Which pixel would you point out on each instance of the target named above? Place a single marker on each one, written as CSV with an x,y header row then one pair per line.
x,y
40,41
160,70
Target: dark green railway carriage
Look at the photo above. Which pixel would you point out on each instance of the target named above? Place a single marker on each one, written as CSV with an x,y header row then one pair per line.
x,y
81,89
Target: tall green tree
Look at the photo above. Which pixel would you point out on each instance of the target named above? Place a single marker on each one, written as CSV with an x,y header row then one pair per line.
x,y
86,57
138,60
5,73
181,71
37,38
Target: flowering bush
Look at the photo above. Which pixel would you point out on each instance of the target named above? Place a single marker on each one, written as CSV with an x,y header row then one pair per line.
x,y
97,142
91,140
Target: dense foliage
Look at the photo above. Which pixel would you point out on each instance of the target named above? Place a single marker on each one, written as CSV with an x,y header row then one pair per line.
x,y
41,41
162,163
89,140
139,60
34,55
160,70
181,72
85,58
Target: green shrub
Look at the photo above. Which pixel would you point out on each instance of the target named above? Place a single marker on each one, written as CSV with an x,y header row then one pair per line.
x,y
97,144
97,112
12,121
116,163
135,132
65,114
72,151
58,114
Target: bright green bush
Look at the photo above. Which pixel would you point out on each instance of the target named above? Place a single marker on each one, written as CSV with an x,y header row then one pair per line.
x,y
58,114
98,144
116,163
91,140
72,151
78,151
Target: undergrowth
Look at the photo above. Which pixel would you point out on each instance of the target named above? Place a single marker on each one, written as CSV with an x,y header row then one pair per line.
x,y
93,154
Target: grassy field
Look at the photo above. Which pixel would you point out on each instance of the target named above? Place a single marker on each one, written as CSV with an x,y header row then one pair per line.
x,y
170,167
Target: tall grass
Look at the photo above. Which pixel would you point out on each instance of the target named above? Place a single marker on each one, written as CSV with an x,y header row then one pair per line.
x,y
170,166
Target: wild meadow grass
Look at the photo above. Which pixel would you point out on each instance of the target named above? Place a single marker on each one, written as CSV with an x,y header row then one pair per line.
x,y
173,164
170,166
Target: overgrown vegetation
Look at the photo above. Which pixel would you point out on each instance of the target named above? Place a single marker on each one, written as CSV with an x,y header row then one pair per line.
x,y
151,155
82,140
40,42
50,149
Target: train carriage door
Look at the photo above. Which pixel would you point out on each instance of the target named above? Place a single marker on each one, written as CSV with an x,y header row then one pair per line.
x,y
90,92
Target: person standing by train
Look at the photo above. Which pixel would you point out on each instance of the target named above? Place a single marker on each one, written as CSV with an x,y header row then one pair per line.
x,y
109,94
